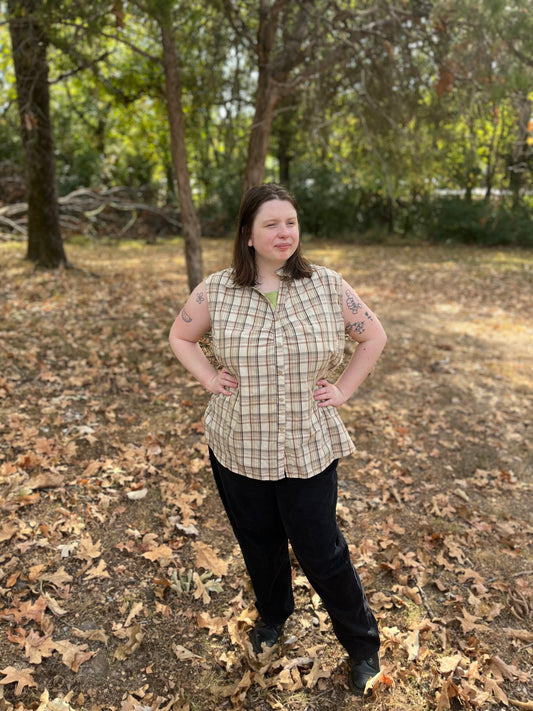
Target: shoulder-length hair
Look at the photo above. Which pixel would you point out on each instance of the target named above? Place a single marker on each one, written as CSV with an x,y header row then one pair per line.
x,y
244,264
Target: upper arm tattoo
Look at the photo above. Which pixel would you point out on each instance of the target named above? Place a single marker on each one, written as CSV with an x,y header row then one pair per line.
x,y
358,327
200,297
185,316
355,327
351,302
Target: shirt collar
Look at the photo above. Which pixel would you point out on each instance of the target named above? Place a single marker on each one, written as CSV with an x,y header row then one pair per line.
x,y
280,272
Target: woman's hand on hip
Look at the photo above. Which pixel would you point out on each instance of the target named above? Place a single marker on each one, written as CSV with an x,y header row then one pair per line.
x,y
328,395
222,382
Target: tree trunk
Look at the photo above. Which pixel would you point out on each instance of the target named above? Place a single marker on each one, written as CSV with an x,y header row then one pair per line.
x,y
284,131
265,103
284,158
521,154
191,224
289,50
29,42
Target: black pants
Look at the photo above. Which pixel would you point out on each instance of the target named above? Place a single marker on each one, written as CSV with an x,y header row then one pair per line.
x,y
265,515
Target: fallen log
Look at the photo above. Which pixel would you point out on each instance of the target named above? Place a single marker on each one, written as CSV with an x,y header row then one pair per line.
x,y
111,213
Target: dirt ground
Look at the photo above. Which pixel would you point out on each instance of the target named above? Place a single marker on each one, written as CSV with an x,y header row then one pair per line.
x,y
121,586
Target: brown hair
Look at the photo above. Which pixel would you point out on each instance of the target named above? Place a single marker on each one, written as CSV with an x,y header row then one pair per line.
x,y
244,266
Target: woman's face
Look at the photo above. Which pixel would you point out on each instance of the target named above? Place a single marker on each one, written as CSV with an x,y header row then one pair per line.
x,y
275,233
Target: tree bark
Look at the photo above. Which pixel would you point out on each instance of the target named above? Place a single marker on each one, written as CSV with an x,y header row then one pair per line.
x,y
29,43
274,64
191,224
521,154
284,160
289,50
267,99
284,131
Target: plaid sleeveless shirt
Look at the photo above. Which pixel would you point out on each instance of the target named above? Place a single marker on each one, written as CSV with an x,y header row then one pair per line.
x,y
271,427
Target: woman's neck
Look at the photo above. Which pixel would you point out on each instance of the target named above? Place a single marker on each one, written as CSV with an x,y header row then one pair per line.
x,y
268,283
268,278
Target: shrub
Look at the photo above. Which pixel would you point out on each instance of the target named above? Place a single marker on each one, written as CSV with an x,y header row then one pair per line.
x,y
331,208
452,219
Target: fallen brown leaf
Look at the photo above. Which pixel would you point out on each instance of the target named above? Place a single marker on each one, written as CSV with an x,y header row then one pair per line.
x,y
54,607
93,635
98,571
136,608
507,671
184,654
88,550
32,611
450,664
215,625
207,558
411,643
36,647
45,481
315,674
72,655
162,554
35,572
134,637
498,693
8,530
20,677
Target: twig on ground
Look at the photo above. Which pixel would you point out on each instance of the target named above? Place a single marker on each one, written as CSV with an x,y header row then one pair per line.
x,y
425,600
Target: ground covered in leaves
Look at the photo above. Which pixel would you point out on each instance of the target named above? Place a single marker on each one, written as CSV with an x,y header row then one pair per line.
x,y
121,586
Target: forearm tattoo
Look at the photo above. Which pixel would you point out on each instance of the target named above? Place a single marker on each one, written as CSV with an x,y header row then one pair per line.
x,y
185,316
200,297
352,304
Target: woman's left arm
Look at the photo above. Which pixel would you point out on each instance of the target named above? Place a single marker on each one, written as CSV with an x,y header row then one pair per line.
x,y
363,326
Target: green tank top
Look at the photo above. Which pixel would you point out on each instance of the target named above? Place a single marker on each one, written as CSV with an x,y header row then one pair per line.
x,y
272,296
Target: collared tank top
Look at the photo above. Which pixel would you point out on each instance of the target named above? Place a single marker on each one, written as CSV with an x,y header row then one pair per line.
x,y
271,427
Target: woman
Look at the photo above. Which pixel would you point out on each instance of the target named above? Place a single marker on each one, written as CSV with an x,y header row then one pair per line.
x,y
278,326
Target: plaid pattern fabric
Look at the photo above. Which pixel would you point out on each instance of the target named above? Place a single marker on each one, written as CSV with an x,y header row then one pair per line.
x,y
271,426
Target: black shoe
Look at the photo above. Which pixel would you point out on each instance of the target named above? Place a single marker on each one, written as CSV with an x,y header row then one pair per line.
x,y
361,671
264,634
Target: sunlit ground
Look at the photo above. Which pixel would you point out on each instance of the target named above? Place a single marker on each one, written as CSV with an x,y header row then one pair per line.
x,y
436,502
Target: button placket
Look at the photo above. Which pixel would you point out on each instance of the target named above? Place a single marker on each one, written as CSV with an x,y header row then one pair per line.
x,y
281,380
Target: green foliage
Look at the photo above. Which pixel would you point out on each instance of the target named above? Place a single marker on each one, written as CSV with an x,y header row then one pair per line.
x,y
331,207
514,227
334,208
218,211
361,145
476,222
10,145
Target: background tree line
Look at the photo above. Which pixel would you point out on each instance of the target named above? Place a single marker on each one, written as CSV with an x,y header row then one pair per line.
x,y
367,110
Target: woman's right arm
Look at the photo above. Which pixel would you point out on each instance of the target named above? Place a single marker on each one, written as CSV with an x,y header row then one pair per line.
x,y
192,323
